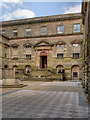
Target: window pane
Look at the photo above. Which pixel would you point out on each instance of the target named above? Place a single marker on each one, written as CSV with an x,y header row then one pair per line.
x,y
28,57
43,30
28,32
15,33
75,74
76,55
60,45
60,28
3,32
77,28
60,56
75,45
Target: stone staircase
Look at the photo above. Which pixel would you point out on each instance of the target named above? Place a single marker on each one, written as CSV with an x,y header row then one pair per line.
x,y
41,75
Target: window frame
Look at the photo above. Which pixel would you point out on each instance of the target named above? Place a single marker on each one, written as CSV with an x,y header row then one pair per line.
x,y
60,32
15,33
59,55
28,58
75,75
28,31
76,55
43,33
76,30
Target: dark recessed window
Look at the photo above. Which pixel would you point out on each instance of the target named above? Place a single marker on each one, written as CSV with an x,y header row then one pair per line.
x,y
43,30
60,56
5,55
76,55
27,46
76,27
28,32
15,33
5,66
75,74
28,57
60,29
15,58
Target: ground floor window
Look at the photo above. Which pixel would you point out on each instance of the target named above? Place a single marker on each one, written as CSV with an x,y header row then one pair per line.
x,y
75,74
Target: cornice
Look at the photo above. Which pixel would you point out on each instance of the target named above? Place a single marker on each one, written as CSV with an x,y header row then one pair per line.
x,y
41,36
42,20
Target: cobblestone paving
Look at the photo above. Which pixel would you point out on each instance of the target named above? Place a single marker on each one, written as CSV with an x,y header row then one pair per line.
x,y
26,103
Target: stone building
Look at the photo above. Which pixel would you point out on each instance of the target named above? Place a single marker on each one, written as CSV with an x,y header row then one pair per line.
x,y
86,45
51,43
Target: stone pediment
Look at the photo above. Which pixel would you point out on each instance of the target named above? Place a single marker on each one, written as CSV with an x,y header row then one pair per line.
x,y
27,44
43,43
76,42
60,43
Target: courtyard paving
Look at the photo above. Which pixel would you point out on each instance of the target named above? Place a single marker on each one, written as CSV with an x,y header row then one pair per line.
x,y
45,100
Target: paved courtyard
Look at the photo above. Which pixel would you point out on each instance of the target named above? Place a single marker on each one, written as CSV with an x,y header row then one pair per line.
x,y
45,100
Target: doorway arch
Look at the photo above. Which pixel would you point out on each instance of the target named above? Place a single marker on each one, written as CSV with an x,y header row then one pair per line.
x,y
59,69
75,72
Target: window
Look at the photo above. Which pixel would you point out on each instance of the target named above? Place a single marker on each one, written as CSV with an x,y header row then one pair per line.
x,y
60,29
3,32
75,74
75,45
28,46
5,55
43,30
60,56
60,45
28,32
76,55
15,33
15,58
28,57
77,28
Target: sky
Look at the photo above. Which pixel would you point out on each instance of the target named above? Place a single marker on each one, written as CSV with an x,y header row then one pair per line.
x,y
20,10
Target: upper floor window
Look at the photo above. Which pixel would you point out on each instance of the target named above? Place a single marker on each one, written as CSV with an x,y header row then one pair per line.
x,y
15,33
60,29
75,45
28,31
76,55
60,55
3,32
28,57
76,27
43,30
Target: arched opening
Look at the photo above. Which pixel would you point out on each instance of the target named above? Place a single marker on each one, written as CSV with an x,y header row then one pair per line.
x,y
28,68
75,72
43,60
15,67
59,69
5,66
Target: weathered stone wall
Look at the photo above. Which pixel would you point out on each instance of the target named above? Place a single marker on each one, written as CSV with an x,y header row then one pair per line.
x,y
51,37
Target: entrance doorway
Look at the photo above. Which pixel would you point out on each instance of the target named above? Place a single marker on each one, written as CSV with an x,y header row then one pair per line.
x,y
43,62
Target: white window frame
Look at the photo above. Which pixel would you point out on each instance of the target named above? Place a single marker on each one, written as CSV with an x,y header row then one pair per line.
x,y
59,30
77,29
